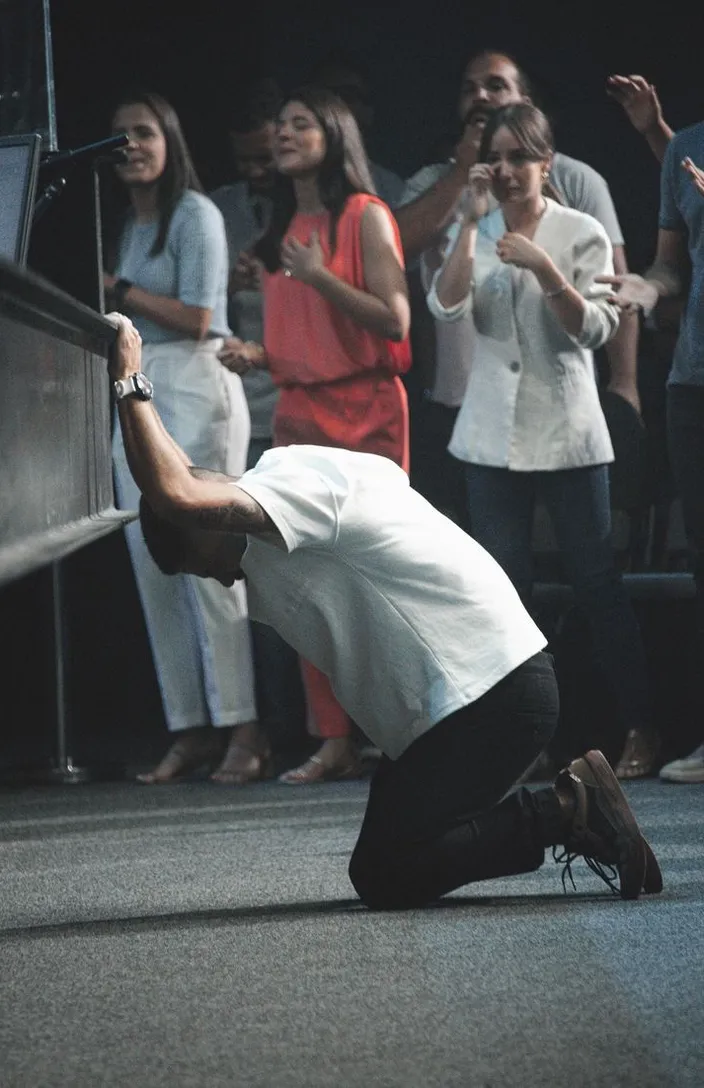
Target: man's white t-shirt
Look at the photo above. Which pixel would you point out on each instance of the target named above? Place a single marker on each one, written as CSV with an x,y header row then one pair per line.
x,y
407,615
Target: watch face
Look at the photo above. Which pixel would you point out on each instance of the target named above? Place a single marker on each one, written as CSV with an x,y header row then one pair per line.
x,y
143,387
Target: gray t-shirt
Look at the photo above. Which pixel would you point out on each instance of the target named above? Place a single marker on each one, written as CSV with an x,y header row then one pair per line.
x,y
580,187
682,210
192,266
246,218
389,186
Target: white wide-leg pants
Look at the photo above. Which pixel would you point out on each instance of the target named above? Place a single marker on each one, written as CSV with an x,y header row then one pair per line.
x,y
198,630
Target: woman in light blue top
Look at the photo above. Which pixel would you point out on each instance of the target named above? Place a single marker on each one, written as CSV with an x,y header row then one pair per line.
x,y
171,278
531,428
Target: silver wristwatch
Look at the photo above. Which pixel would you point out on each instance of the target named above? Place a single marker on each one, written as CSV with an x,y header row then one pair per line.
x,y
137,385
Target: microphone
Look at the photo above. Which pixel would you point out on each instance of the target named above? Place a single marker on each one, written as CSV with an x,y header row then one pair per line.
x,y
95,150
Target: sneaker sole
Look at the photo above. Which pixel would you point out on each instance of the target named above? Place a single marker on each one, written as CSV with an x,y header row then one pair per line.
x,y
683,777
632,865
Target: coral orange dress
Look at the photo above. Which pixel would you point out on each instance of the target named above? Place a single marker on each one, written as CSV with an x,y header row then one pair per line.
x,y
339,383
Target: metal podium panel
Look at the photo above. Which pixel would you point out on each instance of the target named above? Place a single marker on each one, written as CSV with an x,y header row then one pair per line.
x,y
27,100
56,491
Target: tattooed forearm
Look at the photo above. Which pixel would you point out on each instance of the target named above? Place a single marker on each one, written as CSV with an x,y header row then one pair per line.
x,y
242,515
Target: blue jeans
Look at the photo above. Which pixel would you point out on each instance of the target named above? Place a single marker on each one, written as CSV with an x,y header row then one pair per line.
x,y
501,508
685,436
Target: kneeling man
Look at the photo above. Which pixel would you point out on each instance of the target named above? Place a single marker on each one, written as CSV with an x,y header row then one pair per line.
x,y
425,641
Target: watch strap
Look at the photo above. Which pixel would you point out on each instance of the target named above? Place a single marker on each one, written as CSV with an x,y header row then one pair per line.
x,y
125,387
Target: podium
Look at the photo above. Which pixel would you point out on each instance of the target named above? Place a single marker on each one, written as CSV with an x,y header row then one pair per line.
x,y
56,492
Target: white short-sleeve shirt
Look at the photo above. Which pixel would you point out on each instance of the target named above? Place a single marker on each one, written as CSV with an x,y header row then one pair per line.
x,y
407,615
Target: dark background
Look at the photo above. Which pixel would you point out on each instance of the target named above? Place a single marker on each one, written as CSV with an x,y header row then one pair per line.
x,y
199,54
198,57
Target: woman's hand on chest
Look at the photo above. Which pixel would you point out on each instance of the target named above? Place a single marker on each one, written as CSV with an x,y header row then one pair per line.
x,y
520,251
302,261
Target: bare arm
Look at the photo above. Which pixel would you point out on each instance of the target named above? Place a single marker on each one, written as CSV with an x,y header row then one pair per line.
x,y
666,277
671,265
423,221
190,321
641,105
160,467
383,308
658,138
622,348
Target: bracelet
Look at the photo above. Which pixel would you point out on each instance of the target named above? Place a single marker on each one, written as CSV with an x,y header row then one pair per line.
x,y
553,294
119,290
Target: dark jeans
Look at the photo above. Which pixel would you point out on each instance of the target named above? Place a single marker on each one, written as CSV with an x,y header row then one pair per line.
x,y
502,505
281,704
438,817
685,433
435,473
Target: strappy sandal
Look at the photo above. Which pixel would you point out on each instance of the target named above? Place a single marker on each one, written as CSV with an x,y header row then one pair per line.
x,y
183,757
314,770
256,766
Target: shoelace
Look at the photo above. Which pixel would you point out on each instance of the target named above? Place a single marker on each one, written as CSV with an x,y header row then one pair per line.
x,y
607,873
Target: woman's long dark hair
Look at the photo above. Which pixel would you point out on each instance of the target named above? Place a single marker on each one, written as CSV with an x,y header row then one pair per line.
x,y
532,130
179,172
343,171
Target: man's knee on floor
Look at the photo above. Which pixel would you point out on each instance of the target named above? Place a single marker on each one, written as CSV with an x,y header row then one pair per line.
x,y
382,881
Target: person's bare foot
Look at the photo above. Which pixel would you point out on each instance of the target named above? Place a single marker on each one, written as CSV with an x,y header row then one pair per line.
x,y
193,748
336,758
247,759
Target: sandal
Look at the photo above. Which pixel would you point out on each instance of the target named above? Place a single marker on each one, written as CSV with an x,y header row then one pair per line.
x,y
183,757
243,764
314,770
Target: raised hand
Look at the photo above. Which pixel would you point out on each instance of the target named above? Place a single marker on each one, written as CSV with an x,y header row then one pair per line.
x,y
696,174
303,262
475,202
126,356
520,251
639,100
632,292
467,148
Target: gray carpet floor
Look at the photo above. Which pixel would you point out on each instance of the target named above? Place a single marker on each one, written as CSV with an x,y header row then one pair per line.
x,y
202,936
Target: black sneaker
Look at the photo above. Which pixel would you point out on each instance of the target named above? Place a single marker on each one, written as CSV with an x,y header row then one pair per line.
x,y
604,830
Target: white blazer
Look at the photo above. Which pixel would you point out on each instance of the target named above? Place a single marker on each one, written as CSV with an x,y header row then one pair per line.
x,y
531,402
